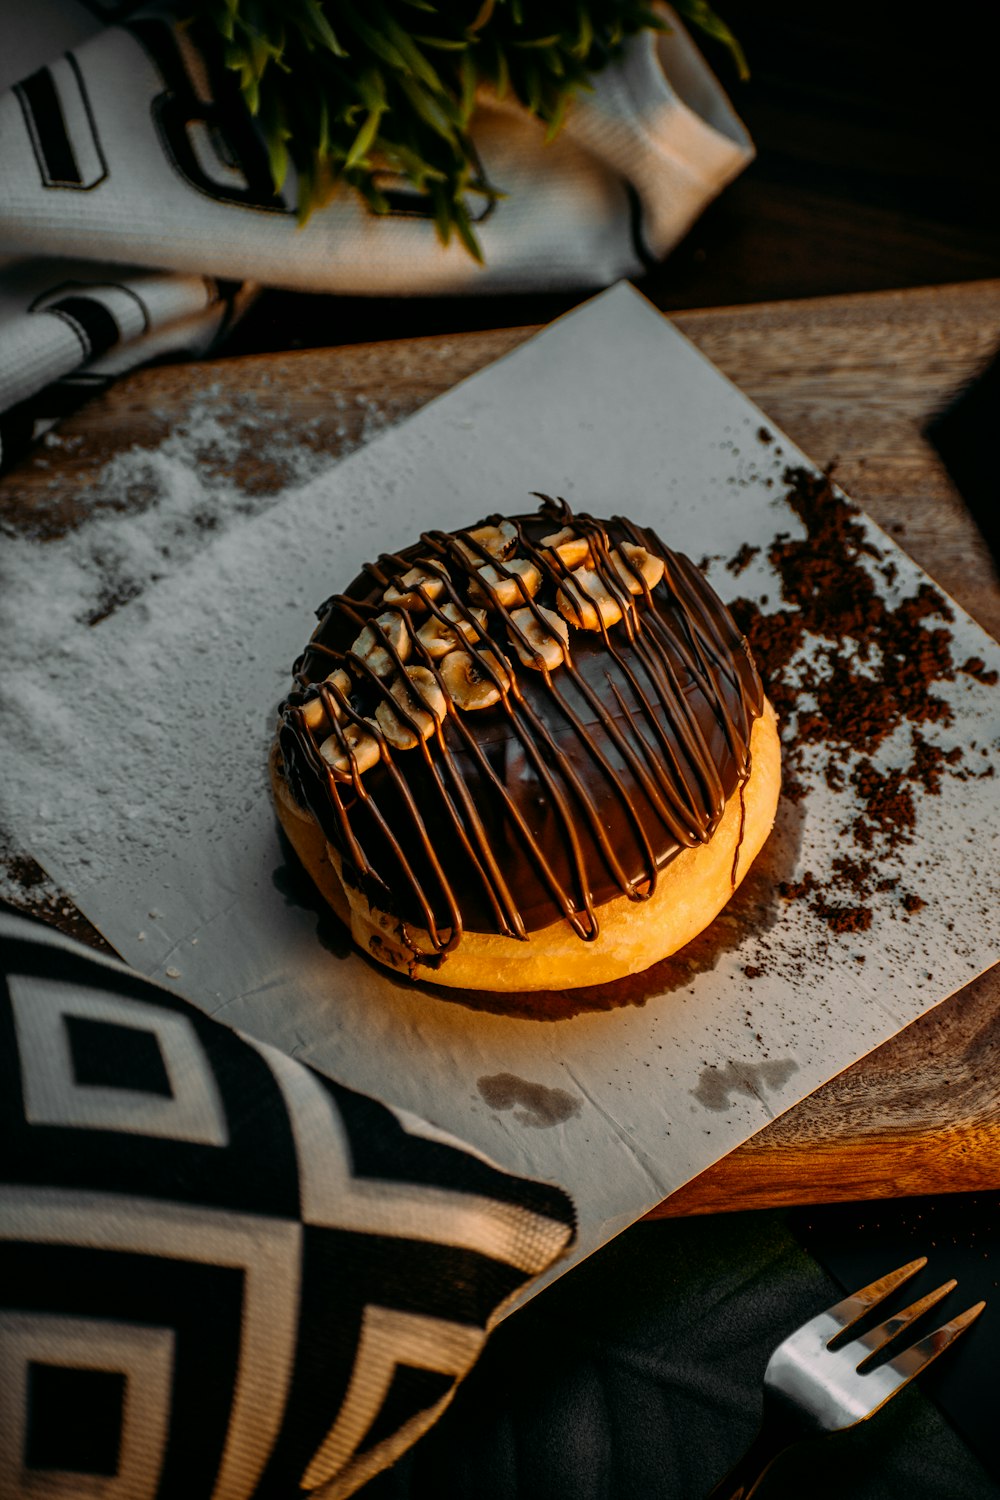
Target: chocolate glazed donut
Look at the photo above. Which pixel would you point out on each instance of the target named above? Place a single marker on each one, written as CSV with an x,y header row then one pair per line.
x,y
514,725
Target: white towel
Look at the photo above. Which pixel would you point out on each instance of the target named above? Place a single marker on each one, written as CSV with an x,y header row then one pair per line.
x,y
137,218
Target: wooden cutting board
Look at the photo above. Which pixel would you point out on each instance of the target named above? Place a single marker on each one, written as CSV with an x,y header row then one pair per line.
x,y
852,379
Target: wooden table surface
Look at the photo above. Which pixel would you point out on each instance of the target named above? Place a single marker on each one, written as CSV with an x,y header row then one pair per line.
x,y
847,378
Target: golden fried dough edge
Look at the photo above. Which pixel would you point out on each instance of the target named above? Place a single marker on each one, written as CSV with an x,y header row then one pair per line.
x,y
690,892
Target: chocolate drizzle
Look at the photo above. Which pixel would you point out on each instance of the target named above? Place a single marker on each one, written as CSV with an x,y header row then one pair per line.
x,y
578,785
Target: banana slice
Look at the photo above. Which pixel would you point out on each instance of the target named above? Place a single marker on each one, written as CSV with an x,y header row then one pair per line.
x,y
358,743
498,541
549,643
419,696
465,675
585,600
438,639
572,550
389,627
428,575
525,583
630,559
316,713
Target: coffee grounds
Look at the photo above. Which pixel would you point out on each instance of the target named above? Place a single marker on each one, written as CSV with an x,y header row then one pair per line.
x,y
743,558
875,668
888,814
976,667
930,762
797,890
842,919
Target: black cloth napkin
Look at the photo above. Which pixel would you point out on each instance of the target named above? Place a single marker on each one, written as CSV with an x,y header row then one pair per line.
x,y
638,1375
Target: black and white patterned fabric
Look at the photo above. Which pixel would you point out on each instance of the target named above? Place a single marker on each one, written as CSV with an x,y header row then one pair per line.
x,y
222,1274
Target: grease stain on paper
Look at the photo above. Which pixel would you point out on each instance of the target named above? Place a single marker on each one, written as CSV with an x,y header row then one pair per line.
x,y
534,1104
715,1085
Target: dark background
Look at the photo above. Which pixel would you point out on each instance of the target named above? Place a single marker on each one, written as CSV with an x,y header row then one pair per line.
x,y
878,167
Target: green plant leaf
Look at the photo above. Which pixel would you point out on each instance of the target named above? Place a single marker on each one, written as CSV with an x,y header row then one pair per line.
x,y
466,233
443,43
429,110
319,29
362,142
701,14
482,17
584,34
469,81
348,89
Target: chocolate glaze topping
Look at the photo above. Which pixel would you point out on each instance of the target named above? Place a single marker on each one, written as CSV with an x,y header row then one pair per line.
x,y
578,784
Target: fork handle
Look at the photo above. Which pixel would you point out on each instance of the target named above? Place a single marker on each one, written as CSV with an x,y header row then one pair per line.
x,y
746,1474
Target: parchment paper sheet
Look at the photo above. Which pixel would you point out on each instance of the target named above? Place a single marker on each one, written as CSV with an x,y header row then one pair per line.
x,y
178,860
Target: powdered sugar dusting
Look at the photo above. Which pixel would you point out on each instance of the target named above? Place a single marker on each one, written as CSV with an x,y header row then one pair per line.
x,y
139,519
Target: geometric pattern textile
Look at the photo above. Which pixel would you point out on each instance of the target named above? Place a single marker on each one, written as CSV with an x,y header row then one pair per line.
x,y
222,1274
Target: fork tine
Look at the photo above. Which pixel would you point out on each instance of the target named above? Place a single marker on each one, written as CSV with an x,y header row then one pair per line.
x,y
877,1338
811,1384
855,1306
919,1355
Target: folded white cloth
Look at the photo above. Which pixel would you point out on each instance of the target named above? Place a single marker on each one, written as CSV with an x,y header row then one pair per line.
x,y
123,158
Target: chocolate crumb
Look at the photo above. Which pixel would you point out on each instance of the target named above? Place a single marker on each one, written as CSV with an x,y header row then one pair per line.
x,y
976,667
833,774
856,874
872,667
743,558
888,807
795,890
928,763
842,919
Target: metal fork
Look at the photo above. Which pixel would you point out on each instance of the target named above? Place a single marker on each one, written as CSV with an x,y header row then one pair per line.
x,y
811,1387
